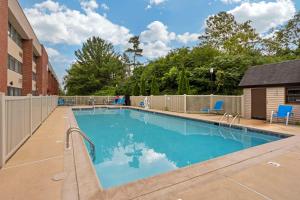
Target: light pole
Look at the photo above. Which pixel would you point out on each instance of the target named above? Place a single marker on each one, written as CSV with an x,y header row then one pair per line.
x,y
211,70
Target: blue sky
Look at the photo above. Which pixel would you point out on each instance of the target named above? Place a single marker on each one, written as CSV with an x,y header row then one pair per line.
x,y
62,25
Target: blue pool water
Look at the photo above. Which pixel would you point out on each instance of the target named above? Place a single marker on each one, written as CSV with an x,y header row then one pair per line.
x,y
132,145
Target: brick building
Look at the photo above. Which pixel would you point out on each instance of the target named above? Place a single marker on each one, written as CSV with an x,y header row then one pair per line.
x,y
24,65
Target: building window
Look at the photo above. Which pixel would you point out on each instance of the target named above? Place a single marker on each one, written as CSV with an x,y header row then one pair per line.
x,y
33,76
12,91
14,35
14,65
34,58
293,95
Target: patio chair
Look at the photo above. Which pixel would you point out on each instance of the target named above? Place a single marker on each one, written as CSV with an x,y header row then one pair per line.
x,y
116,101
145,103
61,102
142,104
283,112
121,101
217,108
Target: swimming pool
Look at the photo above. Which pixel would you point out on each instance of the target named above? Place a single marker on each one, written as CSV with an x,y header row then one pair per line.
x,y
132,144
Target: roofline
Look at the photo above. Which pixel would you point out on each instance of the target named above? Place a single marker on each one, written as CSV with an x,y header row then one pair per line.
x,y
270,85
275,63
28,22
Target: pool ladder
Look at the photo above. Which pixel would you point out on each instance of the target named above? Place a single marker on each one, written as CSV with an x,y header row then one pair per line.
x,y
238,116
227,116
77,130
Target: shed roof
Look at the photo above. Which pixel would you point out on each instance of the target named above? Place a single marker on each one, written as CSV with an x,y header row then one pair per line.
x,y
283,73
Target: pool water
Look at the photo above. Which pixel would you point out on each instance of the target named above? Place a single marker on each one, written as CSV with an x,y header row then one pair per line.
x,y
132,144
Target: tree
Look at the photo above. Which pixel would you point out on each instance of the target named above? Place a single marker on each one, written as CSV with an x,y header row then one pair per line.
x,y
287,39
97,65
136,89
143,87
225,34
154,86
187,85
183,84
135,50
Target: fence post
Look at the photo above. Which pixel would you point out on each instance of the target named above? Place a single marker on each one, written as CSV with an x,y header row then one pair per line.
x,y
30,111
47,106
242,105
165,102
211,104
2,130
41,100
184,100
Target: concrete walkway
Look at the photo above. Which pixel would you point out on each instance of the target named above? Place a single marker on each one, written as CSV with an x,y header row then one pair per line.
x,y
29,173
34,171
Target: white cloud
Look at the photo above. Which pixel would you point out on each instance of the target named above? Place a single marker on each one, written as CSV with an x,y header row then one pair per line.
x,y
188,37
265,15
56,57
155,49
156,39
49,5
154,3
55,23
89,5
231,1
104,6
52,52
157,31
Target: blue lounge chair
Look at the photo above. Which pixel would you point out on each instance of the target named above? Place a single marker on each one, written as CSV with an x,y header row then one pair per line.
x,y
217,108
61,102
116,101
283,112
121,101
142,104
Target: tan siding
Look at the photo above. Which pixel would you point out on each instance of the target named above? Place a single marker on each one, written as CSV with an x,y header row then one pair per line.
x,y
33,85
15,78
296,112
22,25
14,50
33,66
247,103
275,97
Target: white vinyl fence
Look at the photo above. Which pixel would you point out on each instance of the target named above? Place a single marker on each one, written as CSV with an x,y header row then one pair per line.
x,y
191,103
19,118
87,100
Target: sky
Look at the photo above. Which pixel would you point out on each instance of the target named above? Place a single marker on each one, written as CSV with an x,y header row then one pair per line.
x,y
63,25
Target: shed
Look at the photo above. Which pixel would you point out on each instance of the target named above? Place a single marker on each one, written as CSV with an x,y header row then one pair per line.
x,y
267,86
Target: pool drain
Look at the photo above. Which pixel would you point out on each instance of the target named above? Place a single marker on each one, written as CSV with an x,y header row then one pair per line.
x,y
274,164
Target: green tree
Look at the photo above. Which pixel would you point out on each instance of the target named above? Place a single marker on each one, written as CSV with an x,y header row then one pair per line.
x,y
143,87
97,65
225,34
135,50
287,39
187,85
136,89
154,86
183,84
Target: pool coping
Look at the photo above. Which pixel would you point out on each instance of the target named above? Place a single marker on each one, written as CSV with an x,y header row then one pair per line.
x,y
89,186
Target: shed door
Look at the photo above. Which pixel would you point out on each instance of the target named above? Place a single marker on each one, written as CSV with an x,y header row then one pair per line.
x,y
258,103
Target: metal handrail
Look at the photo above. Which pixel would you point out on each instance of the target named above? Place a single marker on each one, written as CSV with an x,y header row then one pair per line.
x,y
225,114
232,121
92,145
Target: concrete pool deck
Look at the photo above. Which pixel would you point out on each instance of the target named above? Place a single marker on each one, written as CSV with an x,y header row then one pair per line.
x,y
38,169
